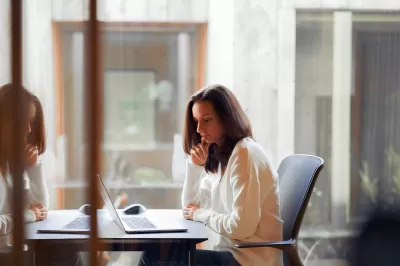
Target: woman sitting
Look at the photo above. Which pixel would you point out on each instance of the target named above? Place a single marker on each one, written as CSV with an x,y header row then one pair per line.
x,y
34,141
230,185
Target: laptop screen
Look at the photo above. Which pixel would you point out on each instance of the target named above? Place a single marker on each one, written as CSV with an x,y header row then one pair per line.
x,y
109,205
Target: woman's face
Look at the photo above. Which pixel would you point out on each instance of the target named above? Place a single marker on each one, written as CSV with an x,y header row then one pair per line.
x,y
209,125
31,118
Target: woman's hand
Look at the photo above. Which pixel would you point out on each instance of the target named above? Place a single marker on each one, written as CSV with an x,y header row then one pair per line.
x,y
189,211
199,153
31,155
39,211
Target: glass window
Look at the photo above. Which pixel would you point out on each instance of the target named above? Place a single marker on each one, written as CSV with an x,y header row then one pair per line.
x,y
347,101
375,128
149,75
143,85
313,103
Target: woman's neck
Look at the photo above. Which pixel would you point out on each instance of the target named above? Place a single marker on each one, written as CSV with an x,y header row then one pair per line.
x,y
220,142
223,171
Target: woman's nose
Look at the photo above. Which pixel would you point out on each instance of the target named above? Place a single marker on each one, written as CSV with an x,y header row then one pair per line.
x,y
199,128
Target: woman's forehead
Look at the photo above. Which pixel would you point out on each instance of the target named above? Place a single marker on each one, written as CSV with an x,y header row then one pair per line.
x,y
202,108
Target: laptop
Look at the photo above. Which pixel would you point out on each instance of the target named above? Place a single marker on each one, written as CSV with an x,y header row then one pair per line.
x,y
131,224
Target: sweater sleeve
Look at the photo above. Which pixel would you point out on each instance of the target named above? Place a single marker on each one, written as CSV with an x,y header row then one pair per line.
x,y
193,191
5,224
38,193
6,221
244,175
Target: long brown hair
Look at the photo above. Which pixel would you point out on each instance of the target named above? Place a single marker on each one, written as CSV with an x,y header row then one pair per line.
x,y
235,122
37,136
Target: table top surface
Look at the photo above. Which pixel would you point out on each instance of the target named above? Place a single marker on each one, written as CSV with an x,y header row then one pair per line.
x,y
110,232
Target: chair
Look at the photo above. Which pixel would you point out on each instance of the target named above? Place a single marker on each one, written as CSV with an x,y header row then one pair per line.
x,y
297,177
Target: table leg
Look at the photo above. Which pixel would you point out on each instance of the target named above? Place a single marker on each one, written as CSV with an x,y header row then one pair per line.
x,y
192,254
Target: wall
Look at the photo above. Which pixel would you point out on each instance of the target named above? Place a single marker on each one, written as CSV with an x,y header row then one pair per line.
x,y
219,66
137,10
257,60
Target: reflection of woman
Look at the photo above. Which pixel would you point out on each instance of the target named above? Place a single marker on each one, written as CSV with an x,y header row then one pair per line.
x,y
230,185
35,145
32,124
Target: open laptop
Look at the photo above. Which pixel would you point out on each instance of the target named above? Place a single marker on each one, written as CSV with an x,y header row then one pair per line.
x,y
131,224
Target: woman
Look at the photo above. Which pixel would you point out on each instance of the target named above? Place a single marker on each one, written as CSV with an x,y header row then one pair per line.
x,y
34,139
230,185
35,145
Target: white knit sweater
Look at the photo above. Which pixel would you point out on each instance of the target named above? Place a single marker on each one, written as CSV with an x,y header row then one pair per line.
x,y
243,205
38,194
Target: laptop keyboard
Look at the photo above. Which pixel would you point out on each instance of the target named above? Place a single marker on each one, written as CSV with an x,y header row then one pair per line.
x,y
138,223
81,223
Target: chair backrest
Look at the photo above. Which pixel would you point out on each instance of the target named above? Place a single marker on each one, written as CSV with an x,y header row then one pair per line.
x,y
297,176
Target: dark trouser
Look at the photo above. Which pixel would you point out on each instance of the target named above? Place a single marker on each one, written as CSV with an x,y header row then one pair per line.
x,y
178,255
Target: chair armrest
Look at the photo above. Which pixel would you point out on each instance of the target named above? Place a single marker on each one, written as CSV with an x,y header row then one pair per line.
x,y
279,245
